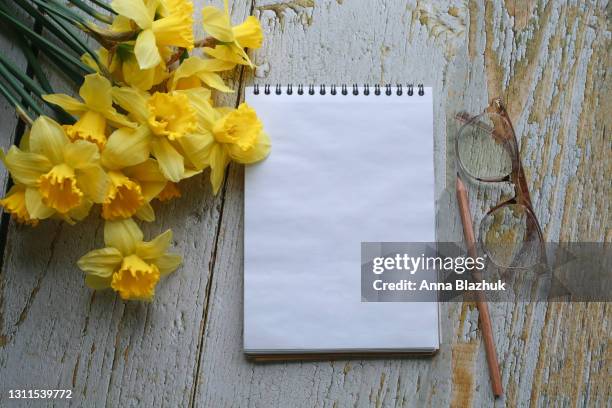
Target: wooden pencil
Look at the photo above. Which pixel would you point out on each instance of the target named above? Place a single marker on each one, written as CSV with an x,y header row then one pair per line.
x,y
481,302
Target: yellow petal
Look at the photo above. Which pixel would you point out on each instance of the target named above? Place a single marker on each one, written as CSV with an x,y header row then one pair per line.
x,y
171,163
155,248
133,101
48,138
240,52
15,204
101,262
123,198
93,181
67,103
123,23
135,10
136,279
218,161
227,53
197,147
149,177
170,191
136,77
118,120
186,83
186,69
190,173
240,126
186,75
171,115
91,127
26,168
217,24
97,283
80,212
168,263
145,213
258,152
59,189
146,50
81,154
143,79
96,92
123,235
200,102
126,147
214,81
35,205
176,29
249,33
24,143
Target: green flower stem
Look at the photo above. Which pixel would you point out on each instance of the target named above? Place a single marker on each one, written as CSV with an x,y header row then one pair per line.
x,y
68,69
21,112
31,85
46,22
91,11
60,10
103,5
25,96
21,76
82,44
34,64
45,44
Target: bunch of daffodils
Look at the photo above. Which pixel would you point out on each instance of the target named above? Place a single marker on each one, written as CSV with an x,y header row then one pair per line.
x,y
144,121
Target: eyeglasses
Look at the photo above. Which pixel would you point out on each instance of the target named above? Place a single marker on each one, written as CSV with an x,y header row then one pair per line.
x,y
487,151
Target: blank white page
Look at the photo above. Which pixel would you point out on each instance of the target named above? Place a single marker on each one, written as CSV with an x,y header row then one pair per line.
x,y
343,169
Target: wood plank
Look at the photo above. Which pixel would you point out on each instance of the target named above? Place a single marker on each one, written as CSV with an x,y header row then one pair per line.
x,y
9,122
548,62
58,334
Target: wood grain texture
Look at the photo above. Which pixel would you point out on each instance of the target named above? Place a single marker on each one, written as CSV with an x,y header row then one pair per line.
x,y
548,60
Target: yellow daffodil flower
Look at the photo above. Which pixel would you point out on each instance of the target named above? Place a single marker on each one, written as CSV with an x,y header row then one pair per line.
x,y
131,190
94,112
121,63
170,191
168,122
168,23
226,134
233,39
60,178
195,71
15,204
130,266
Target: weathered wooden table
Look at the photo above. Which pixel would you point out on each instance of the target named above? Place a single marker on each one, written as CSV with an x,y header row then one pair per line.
x,y
550,62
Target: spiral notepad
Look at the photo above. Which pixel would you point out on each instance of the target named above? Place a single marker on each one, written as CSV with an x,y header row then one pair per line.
x,y
349,164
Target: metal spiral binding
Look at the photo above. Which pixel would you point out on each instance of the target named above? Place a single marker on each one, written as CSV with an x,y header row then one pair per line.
x,y
333,89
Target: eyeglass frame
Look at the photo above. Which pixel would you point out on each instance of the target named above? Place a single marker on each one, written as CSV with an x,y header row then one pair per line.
x,y
516,176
